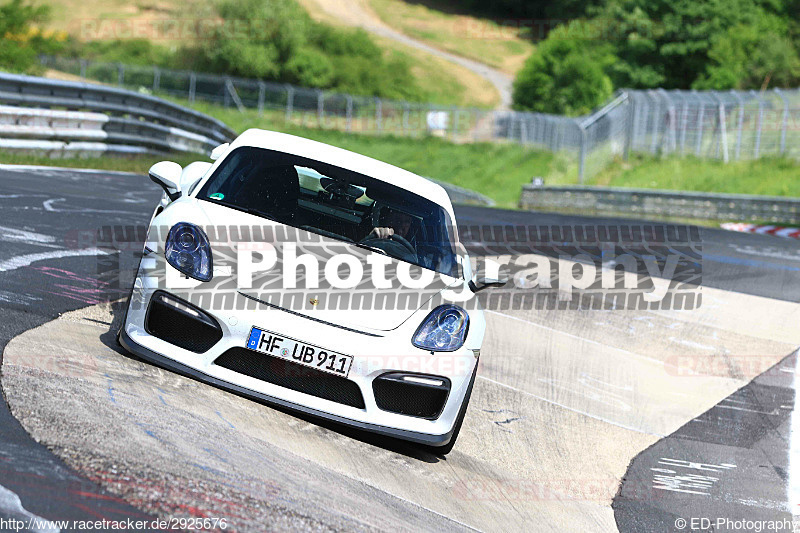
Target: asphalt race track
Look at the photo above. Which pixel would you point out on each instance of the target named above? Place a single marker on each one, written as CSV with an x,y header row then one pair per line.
x,y
580,420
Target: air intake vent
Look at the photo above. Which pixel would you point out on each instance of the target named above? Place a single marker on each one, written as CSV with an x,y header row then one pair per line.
x,y
180,323
293,376
411,394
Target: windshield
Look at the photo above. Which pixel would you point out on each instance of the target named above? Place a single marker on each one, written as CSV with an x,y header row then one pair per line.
x,y
336,203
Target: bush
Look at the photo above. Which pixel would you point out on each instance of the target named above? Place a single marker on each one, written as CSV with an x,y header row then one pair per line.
x,y
565,75
276,40
309,68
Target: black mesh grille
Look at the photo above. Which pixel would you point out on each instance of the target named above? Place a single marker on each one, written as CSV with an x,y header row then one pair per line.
x,y
179,327
406,398
292,376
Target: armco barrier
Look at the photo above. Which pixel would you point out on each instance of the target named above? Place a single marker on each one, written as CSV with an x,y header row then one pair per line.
x,y
63,117
659,204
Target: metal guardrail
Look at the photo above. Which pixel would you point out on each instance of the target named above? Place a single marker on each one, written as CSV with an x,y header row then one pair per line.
x,y
63,117
660,204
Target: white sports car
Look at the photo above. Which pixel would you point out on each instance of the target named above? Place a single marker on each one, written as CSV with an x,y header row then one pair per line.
x,y
392,347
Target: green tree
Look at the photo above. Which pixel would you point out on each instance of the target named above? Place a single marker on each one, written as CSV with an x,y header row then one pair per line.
x,y
565,74
751,57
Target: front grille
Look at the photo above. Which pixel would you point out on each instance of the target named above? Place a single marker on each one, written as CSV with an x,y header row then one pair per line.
x,y
180,323
291,375
393,393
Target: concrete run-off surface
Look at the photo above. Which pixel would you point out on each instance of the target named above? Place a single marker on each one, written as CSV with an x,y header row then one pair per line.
x,y
564,402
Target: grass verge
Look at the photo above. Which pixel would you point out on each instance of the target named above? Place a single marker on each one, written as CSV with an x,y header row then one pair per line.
x,y
771,176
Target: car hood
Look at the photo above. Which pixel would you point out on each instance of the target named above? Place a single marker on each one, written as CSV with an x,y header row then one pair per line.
x,y
363,307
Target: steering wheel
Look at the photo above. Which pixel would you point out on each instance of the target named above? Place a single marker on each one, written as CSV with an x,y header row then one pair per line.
x,y
402,240
397,240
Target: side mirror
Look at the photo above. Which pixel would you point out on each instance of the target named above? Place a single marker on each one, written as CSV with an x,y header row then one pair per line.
x,y
167,174
479,284
219,151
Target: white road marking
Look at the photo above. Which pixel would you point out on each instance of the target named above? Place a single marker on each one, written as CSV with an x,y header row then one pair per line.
x,y
27,168
48,204
25,260
27,237
793,485
11,505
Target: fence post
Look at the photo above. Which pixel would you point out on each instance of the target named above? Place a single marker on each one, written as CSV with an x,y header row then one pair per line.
x,y
684,126
723,128
785,119
289,102
701,125
739,125
455,123
757,148
670,134
120,74
378,114
406,111
83,68
262,93
349,113
192,87
583,148
654,135
629,127
156,79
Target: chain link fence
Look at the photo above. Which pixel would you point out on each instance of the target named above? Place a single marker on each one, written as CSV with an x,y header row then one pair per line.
x,y
723,125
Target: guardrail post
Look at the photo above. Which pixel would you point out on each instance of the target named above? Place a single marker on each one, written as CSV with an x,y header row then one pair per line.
x,y
785,120
289,102
582,156
262,93
120,74
378,114
349,114
156,79
192,87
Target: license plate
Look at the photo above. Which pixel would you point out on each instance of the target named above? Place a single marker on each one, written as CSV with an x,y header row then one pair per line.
x,y
278,345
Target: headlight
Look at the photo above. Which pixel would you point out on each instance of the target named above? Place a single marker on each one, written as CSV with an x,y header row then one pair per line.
x,y
443,330
188,251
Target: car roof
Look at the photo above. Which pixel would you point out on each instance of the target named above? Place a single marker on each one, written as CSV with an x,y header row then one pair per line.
x,y
325,153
